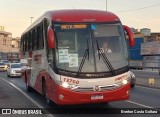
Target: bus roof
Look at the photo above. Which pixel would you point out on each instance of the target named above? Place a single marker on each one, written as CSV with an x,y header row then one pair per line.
x,y
82,16
76,15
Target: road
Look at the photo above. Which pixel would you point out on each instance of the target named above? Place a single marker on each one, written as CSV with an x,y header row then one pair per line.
x,y
141,98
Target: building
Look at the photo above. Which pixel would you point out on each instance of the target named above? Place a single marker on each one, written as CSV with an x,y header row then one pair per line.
x,y
150,50
145,31
9,47
15,44
9,44
146,52
5,41
153,37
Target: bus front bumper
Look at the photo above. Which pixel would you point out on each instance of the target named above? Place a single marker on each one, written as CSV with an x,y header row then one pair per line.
x,y
67,97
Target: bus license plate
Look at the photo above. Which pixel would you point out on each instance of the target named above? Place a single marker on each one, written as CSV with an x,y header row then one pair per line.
x,y
95,97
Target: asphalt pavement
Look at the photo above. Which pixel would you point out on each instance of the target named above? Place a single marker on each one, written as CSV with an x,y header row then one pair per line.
x,y
13,101
147,78
140,97
9,97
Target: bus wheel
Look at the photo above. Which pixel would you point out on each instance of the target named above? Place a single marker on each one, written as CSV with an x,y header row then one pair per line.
x,y
44,87
28,88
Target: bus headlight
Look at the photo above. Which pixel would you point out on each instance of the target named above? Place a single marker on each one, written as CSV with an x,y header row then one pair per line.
x,y
65,85
124,82
69,86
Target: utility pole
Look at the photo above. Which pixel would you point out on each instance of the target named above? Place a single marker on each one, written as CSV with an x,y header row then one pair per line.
x,y
31,19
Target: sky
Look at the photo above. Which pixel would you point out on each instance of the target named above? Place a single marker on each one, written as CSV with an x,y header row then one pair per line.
x,y
15,14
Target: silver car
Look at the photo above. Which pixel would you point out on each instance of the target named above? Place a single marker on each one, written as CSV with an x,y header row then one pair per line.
x,y
14,69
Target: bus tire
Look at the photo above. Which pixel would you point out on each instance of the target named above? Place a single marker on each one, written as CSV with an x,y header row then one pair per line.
x,y
44,87
132,85
28,88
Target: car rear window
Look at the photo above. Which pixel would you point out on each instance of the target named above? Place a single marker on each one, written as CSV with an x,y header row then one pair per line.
x,y
16,66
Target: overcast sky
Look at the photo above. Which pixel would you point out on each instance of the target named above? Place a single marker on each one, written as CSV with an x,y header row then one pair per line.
x,y
15,14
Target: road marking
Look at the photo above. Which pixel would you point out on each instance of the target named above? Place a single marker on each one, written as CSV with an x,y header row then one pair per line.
x,y
139,104
142,105
148,88
33,101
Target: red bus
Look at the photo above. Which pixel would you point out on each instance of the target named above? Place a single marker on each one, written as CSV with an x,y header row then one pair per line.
x,y
66,62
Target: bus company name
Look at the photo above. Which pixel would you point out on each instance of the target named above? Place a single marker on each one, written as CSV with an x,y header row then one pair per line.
x,y
121,78
69,80
1,28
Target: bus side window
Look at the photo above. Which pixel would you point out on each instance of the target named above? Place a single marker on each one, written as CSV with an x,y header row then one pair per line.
x,y
41,36
22,44
29,41
34,41
40,40
38,37
45,29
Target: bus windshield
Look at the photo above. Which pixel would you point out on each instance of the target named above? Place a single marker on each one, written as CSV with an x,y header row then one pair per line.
x,y
90,48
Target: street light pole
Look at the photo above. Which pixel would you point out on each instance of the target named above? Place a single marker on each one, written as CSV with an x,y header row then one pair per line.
x,y
106,5
31,19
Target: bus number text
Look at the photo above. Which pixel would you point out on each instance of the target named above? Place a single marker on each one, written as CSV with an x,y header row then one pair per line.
x,y
71,81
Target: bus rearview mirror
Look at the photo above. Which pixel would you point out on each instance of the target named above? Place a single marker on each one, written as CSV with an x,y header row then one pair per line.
x,y
130,35
50,38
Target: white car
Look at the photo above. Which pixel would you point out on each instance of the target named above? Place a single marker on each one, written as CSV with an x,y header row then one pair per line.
x,y
14,69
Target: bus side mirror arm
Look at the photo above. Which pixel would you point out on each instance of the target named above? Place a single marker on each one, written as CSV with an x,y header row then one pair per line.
x,y
130,35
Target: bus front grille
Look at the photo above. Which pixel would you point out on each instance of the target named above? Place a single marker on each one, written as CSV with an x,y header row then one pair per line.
x,y
101,88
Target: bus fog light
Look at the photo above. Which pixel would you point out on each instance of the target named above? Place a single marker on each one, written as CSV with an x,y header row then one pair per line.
x,y
61,96
128,92
124,82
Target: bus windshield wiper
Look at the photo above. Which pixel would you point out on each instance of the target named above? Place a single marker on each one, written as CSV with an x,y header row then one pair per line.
x,y
83,59
98,50
105,59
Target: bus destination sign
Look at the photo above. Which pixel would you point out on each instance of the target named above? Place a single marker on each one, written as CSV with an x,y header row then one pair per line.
x,y
75,26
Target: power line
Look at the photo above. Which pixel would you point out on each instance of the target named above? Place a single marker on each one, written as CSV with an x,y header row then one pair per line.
x,y
140,8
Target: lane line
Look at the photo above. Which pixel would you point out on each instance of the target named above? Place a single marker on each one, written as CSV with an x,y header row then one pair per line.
x,y
33,101
139,104
142,105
